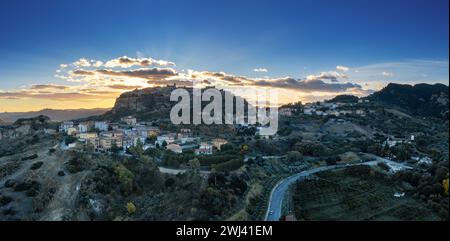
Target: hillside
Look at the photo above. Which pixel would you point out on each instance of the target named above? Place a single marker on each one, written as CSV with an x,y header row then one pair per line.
x,y
344,99
55,115
420,99
147,104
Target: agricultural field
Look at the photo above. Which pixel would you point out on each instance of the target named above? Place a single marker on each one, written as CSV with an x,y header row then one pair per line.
x,y
356,194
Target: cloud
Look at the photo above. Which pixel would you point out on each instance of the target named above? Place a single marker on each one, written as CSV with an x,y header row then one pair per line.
x,y
260,70
307,85
69,96
82,63
333,76
342,68
48,86
97,63
387,74
13,95
127,62
145,73
177,82
62,66
83,72
99,80
124,87
405,72
229,78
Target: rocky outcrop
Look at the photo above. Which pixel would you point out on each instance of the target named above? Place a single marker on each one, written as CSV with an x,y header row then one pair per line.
x,y
147,104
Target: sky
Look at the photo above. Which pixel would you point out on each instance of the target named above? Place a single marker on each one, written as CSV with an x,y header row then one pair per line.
x,y
83,54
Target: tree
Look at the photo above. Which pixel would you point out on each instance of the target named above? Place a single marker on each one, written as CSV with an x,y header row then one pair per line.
x,y
231,165
194,164
69,140
125,178
294,156
131,208
138,149
445,186
170,182
310,149
151,139
115,149
227,147
332,160
244,148
402,152
89,148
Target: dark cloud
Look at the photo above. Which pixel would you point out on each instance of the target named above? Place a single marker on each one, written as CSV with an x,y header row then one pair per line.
x,y
332,76
126,62
51,96
124,87
13,95
83,72
149,74
49,86
177,82
307,85
231,79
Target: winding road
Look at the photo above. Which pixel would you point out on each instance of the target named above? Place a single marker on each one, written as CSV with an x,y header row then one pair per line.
x,y
274,208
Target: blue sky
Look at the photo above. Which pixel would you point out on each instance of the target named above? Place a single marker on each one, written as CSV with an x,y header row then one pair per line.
x,y
288,38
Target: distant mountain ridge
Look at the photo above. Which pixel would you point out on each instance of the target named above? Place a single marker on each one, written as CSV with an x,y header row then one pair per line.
x,y
421,99
55,115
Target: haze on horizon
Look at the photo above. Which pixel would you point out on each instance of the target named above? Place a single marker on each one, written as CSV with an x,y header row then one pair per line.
x,y
84,54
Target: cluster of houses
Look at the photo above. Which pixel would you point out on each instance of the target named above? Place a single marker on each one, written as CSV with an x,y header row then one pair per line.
x,y
104,136
324,108
330,108
393,141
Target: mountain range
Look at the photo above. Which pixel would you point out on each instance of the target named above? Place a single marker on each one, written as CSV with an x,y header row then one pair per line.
x,y
55,115
421,100
154,103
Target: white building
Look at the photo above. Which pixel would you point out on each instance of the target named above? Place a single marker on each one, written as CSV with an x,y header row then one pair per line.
x,y
169,138
204,149
308,111
360,112
286,112
129,120
426,161
83,128
175,148
101,125
71,131
399,195
65,126
218,142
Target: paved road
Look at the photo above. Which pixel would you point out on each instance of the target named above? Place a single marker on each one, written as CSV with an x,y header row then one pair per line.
x,y
273,212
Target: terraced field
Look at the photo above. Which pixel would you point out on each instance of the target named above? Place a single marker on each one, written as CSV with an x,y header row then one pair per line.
x,y
355,194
